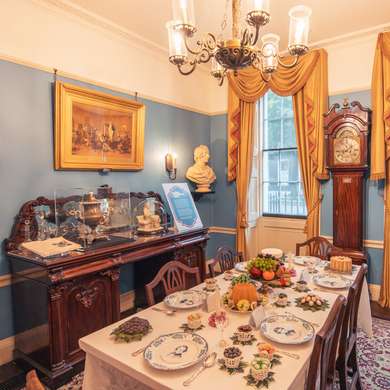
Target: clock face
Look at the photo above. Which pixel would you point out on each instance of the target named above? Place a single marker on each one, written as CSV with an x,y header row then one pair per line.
x,y
346,147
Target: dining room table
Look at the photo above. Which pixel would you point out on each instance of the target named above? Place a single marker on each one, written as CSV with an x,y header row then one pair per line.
x,y
110,364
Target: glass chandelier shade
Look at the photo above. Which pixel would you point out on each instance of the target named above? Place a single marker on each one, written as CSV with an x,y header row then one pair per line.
x,y
242,49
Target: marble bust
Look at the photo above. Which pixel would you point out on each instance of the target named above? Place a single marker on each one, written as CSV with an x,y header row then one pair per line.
x,y
200,173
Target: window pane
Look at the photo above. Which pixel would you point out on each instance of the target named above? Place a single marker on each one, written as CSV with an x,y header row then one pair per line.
x,y
289,168
274,106
271,166
287,107
289,136
271,198
272,132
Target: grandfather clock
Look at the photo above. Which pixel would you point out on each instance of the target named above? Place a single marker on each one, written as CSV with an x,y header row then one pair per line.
x,y
346,137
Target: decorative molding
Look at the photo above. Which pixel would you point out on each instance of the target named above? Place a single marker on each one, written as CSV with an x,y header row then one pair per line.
x,y
222,230
282,224
376,244
72,76
30,337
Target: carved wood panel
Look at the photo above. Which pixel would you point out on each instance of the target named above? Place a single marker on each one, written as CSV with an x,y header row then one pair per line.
x,y
88,306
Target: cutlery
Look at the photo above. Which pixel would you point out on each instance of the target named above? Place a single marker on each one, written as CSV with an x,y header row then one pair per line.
x,y
168,312
138,351
207,363
303,319
289,354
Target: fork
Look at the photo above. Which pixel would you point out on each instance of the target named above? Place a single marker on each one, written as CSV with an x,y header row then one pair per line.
x,y
303,319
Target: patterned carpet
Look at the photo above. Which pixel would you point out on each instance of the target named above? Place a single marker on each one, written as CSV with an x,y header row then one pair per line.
x,y
374,359
374,356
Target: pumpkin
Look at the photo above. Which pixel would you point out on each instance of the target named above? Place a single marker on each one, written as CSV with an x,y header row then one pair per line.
x,y
245,291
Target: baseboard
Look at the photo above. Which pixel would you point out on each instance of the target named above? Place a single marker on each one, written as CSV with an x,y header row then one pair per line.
x,y
7,345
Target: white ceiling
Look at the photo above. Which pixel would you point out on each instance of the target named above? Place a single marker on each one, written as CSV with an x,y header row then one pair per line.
x,y
330,18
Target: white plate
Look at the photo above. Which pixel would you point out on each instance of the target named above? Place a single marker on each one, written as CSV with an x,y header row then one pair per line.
x,y
176,351
331,281
241,267
184,299
302,260
286,329
278,253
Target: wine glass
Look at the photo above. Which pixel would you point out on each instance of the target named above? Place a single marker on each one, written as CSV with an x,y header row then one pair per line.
x,y
221,323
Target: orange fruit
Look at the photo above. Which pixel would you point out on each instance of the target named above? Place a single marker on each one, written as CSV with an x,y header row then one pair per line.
x,y
268,275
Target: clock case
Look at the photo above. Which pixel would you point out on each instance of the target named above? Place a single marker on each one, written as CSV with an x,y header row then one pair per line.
x,y
348,178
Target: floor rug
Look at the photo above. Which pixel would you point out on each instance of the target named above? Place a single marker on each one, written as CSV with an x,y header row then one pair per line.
x,y
373,355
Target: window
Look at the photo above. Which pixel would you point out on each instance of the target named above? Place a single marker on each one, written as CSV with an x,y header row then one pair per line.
x,y
281,186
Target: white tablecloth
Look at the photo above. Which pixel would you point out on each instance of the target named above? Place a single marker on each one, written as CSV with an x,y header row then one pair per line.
x,y
109,365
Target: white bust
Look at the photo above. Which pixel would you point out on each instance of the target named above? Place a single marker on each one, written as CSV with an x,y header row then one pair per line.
x,y
200,173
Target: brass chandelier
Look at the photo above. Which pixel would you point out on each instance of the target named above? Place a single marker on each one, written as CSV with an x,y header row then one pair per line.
x,y
241,51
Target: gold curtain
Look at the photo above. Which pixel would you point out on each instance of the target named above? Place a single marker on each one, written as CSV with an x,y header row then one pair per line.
x,y
308,84
380,144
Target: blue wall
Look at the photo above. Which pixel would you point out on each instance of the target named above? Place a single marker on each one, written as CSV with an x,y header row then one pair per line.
x,y
26,155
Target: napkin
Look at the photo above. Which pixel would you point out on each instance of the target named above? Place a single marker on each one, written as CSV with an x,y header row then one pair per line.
x,y
256,317
213,301
305,276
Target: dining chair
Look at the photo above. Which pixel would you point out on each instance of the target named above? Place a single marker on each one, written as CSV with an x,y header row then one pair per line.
x,y
33,382
174,276
225,259
322,367
318,246
346,363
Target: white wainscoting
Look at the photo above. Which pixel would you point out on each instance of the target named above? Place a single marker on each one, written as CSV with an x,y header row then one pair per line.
x,y
272,232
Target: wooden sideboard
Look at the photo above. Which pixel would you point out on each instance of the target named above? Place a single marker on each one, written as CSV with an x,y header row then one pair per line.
x,y
62,299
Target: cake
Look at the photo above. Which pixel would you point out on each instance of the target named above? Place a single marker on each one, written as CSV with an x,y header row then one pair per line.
x,y
341,263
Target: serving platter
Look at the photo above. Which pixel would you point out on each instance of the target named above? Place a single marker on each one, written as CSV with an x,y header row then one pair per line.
x,y
176,351
189,299
287,329
332,281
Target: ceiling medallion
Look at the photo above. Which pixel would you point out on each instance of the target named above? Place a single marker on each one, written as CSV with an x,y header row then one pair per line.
x,y
241,50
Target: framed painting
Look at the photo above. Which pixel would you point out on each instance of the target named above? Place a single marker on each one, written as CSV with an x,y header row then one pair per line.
x,y
95,130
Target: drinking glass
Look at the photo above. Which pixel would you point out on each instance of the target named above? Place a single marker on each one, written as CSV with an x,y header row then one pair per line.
x,y
221,323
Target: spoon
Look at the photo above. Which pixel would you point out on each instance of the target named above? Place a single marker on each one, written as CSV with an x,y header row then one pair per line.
x,y
289,354
138,351
166,311
207,363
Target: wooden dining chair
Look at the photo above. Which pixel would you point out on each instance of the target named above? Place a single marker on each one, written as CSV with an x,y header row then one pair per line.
x,y
322,366
33,382
225,259
346,364
318,247
174,276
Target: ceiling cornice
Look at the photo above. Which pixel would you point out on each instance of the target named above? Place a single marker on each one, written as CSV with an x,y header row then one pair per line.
x,y
107,26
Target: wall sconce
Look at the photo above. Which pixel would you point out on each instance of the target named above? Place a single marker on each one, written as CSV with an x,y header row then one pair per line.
x,y
170,165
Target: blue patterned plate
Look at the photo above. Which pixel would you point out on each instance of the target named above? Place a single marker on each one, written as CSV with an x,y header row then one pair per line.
x,y
188,299
287,329
175,351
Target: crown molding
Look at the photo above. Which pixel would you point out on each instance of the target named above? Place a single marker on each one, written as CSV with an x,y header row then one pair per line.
x,y
105,25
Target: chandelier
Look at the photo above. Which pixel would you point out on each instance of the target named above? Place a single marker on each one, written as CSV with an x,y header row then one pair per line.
x,y
241,51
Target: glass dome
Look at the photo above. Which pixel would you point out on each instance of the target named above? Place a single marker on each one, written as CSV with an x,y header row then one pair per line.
x,y
150,217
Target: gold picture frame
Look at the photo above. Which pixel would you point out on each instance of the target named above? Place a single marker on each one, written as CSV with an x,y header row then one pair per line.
x,y
96,130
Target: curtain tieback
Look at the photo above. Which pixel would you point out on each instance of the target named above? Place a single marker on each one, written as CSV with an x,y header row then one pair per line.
x,y
243,221
313,208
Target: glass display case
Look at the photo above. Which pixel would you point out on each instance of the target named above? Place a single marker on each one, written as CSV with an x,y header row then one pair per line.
x,y
150,217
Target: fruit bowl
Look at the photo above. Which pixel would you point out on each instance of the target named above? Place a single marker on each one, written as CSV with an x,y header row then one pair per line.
x,y
264,267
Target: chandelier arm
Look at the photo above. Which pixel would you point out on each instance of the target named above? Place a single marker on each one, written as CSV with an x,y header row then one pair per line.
x,y
189,71
210,43
288,66
256,38
265,79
